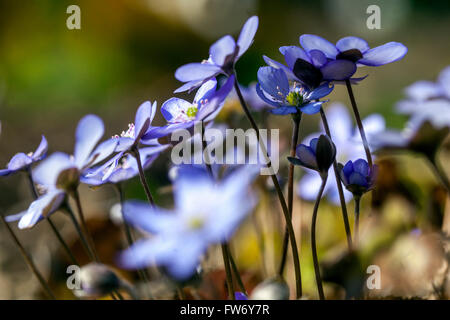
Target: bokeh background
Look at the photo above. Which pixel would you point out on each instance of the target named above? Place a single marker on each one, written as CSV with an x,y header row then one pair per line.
x,y
127,51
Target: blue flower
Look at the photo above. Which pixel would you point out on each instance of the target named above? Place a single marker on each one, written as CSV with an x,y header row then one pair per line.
x,y
355,50
318,156
181,114
205,213
348,146
121,167
358,177
311,68
21,161
428,100
240,296
59,174
274,88
223,55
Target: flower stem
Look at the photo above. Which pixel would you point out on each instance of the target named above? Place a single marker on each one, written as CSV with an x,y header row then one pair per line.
x,y
28,259
439,172
84,242
339,186
50,222
227,258
144,183
313,240
143,275
359,122
290,228
84,227
294,141
356,232
236,271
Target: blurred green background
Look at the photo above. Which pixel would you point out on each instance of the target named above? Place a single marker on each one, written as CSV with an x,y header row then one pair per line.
x,y
127,51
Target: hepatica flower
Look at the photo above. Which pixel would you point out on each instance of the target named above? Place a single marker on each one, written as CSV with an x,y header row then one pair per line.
x,y
274,88
23,162
354,50
311,68
223,55
121,167
59,174
348,146
358,177
428,100
318,156
205,213
182,114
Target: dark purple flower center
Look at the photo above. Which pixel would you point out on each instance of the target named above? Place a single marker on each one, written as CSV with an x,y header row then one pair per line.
x,y
352,55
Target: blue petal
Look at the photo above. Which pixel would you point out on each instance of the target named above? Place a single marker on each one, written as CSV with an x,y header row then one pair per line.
x,y
313,144
361,166
347,170
318,58
15,217
49,169
306,155
205,91
283,110
196,71
89,131
145,217
5,172
103,151
338,70
423,90
312,107
247,35
189,86
210,110
444,80
279,65
292,53
42,207
320,92
220,50
311,42
357,179
142,119
261,94
274,81
349,43
19,161
41,150
384,54
173,107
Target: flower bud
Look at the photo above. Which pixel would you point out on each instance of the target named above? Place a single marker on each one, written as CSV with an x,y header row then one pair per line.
x,y
358,177
271,289
97,280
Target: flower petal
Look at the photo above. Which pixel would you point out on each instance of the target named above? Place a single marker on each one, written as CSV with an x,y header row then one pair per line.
x,y
338,70
306,155
221,50
318,58
320,92
47,172
261,94
357,179
312,42
292,53
283,110
361,166
19,161
143,216
189,86
41,150
89,131
247,35
205,91
444,80
381,55
273,81
174,108
196,71
103,151
312,107
423,90
349,43
210,110
142,119
42,207
279,65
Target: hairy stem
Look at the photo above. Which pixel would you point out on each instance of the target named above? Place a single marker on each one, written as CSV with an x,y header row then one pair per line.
x,y
313,240
144,183
339,186
290,228
359,122
294,141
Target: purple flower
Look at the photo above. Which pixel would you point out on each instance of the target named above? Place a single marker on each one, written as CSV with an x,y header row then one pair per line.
x,y
205,213
60,172
429,101
181,114
318,156
223,55
21,161
240,296
355,50
348,146
130,139
311,68
274,88
121,167
358,177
